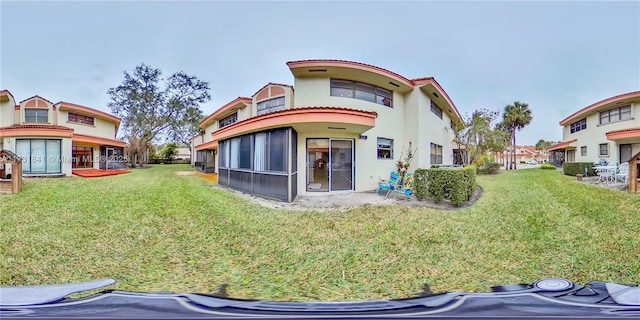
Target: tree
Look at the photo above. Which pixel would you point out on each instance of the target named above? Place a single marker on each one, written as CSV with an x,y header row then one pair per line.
x,y
543,145
516,116
169,151
151,107
478,134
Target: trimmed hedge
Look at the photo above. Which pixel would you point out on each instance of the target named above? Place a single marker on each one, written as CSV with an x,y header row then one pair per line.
x,y
455,184
574,168
489,168
547,167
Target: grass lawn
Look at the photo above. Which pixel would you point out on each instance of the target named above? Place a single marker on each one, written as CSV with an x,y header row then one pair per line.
x,y
154,230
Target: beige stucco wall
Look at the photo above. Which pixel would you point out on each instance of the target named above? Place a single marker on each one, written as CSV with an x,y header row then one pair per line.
x,y
6,113
595,134
100,128
410,119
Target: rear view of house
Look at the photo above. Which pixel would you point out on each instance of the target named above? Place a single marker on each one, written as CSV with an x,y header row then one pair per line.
x,y
340,128
54,138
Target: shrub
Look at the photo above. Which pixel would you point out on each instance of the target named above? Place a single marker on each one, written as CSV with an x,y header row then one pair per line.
x,y
489,168
454,184
420,183
547,167
574,168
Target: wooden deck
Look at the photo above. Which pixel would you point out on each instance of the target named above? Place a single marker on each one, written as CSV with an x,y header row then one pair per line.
x,y
95,173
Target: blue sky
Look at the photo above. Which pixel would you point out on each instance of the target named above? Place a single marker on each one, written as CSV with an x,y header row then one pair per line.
x,y
556,56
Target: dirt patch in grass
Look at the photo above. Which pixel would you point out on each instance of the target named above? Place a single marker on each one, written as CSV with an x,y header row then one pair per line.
x,y
348,201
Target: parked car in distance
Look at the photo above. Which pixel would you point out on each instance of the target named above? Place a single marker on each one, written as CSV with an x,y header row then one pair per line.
x,y
533,162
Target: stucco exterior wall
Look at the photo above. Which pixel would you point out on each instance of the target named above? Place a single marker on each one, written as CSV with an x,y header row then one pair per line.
x,y
6,113
100,128
596,134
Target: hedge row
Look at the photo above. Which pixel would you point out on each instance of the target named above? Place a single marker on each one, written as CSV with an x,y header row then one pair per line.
x,y
489,168
574,168
456,184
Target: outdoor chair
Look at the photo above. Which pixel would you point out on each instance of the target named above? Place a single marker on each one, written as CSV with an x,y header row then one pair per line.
x,y
623,172
386,186
405,189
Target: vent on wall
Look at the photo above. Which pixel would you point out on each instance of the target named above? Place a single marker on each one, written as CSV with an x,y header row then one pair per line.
x,y
436,95
317,70
394,84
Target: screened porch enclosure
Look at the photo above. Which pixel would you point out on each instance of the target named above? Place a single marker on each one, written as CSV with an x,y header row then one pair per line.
x,y
261,163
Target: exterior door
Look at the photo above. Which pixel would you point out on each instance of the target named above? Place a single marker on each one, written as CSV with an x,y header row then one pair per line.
x,y
625,153
341,159
330,164
110,156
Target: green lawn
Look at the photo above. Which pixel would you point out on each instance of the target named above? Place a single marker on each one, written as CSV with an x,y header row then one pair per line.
x,y
154,230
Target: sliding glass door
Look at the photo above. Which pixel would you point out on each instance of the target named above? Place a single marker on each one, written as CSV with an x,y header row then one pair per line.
x,y
330,164
39,155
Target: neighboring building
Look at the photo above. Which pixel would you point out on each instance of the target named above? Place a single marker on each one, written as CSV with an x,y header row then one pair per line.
x,y
183,154
608,129
341,129
523,153
54,138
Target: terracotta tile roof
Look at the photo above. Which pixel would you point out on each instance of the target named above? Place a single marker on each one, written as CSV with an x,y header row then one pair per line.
x,y
95,112
299,109
36,96
624,130
561,145
633,94
245,100
36,126
271,84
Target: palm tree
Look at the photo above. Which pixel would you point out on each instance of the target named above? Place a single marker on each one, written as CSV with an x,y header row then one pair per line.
x,y
516,116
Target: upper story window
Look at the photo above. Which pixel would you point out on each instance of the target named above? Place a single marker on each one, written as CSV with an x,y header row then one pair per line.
x,y
436,110
271,105
361,91
615,114
79,118
36,115
228,120
579,125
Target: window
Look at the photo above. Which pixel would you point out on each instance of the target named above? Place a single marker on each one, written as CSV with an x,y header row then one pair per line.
x,y
79,118
604,149
245,152
39,155
361,91
583,151
36,115
616,114
436,154
271,105
82,157
579,125
436,110
228,120
263,151
385,148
